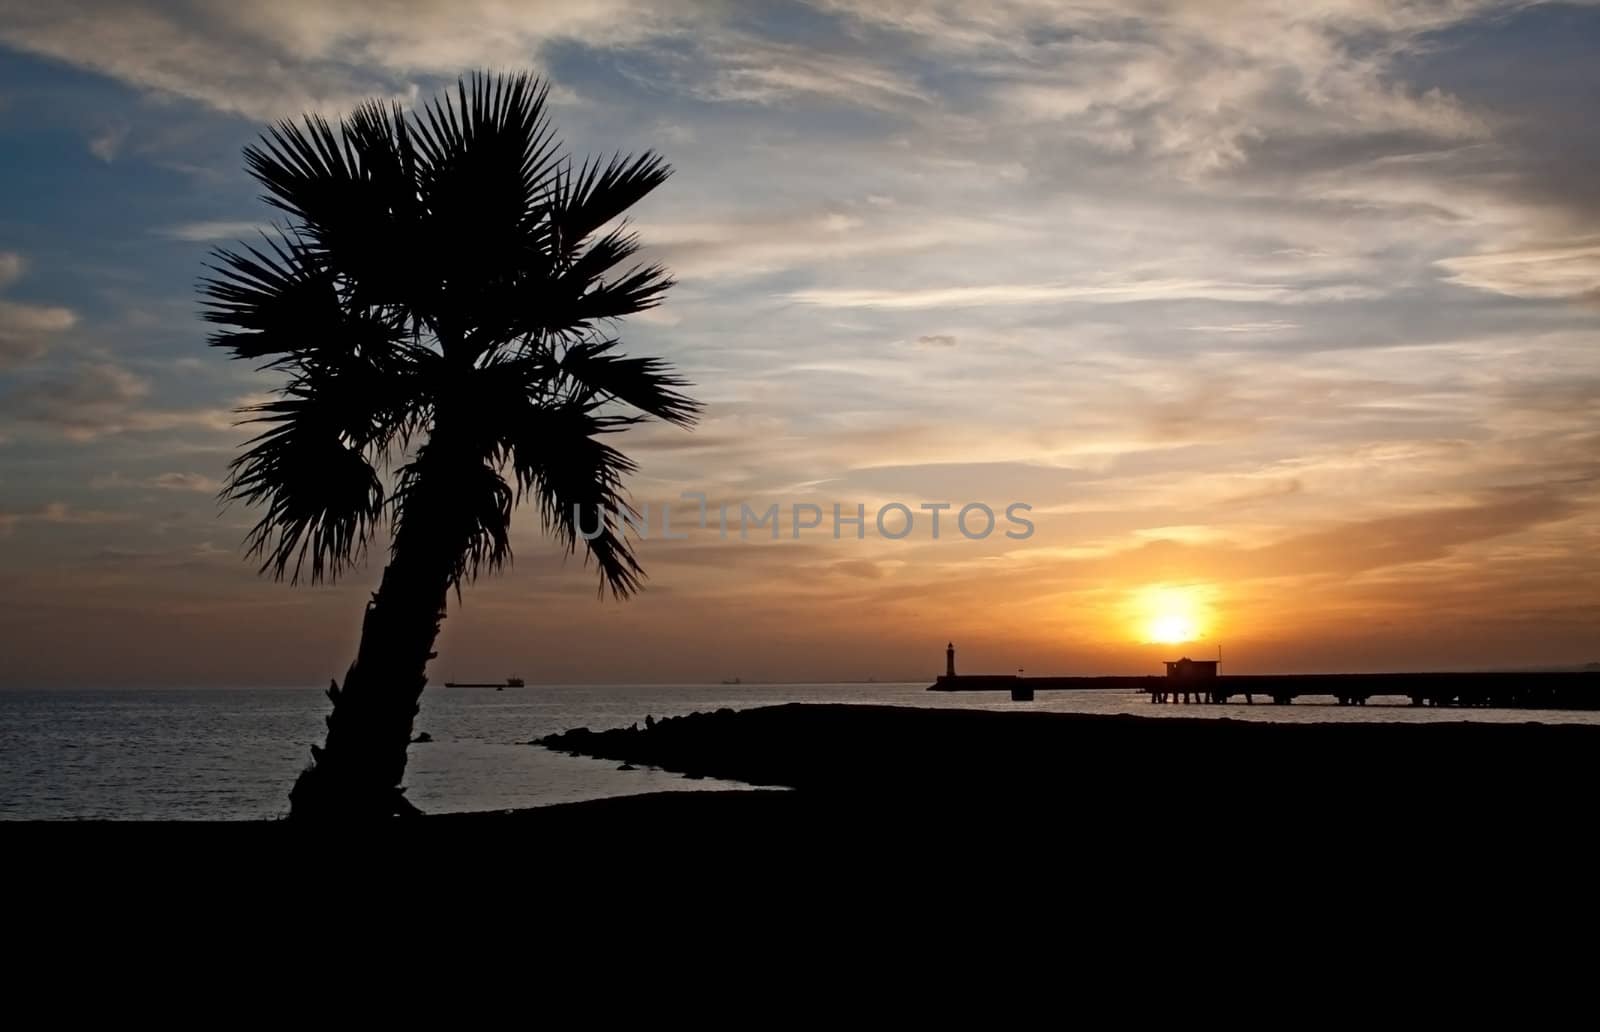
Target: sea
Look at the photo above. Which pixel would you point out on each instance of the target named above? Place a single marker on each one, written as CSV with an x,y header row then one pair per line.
x,y
226,753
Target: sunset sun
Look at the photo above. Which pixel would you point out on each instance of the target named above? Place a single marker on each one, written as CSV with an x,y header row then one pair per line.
x,y
1170,616
1172,629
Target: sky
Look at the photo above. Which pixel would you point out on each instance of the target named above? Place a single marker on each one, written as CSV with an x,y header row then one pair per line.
x,y
1283,318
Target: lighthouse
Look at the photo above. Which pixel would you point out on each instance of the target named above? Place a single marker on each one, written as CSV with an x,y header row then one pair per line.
x,y
950,660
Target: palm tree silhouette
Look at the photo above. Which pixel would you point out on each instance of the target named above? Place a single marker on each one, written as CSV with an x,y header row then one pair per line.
x,y
437,304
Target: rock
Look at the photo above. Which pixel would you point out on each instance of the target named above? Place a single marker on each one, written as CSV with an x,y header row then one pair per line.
x,y
627,766
422,738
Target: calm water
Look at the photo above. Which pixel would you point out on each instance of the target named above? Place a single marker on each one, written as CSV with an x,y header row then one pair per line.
x,y
232,753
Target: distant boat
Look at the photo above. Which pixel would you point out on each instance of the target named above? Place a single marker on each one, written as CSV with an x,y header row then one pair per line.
x,y
734,681
510,682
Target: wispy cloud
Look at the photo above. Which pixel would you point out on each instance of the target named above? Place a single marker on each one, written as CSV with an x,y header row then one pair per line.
x,y
308,54
187,482
95,399
58,513
107,143
197,483
197,232
1269,326
765,243
26,329
1053,293
1564,270
751,70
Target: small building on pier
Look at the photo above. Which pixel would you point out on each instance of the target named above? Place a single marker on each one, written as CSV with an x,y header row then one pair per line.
x,y
1187,669
1188,679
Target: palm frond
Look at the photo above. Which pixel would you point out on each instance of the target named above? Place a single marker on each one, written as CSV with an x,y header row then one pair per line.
x,y
306,171
560,461
576,479
454,497
596,260
647,384
578,294
638,290
283,304
586,201
278,300
323,498
283,301
572,303
486,164
485,174
351,194
345,408
488,512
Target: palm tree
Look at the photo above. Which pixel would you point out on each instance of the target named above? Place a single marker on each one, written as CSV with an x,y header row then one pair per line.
x,y
438,304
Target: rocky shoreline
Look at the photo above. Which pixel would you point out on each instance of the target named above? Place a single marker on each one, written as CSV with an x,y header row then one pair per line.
x,y
924,766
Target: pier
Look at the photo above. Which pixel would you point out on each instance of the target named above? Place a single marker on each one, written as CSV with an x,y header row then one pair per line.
x,y
1509,690
1196,682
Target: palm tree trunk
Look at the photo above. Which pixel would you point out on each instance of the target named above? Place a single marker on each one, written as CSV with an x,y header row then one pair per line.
x,y
356,773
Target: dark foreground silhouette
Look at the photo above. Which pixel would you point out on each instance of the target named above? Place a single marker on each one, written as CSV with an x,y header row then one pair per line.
x,y
880,770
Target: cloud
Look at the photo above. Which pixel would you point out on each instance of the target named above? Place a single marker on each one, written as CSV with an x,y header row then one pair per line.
x,y
59,514
761,244
311,55
1054,293
865,569
1197,84
107,144
306,54
936,340
751,70
98,399
91,399
1271,490
196,482
1340,548
1561,270
1418,536
196,232
26,329
1269,326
